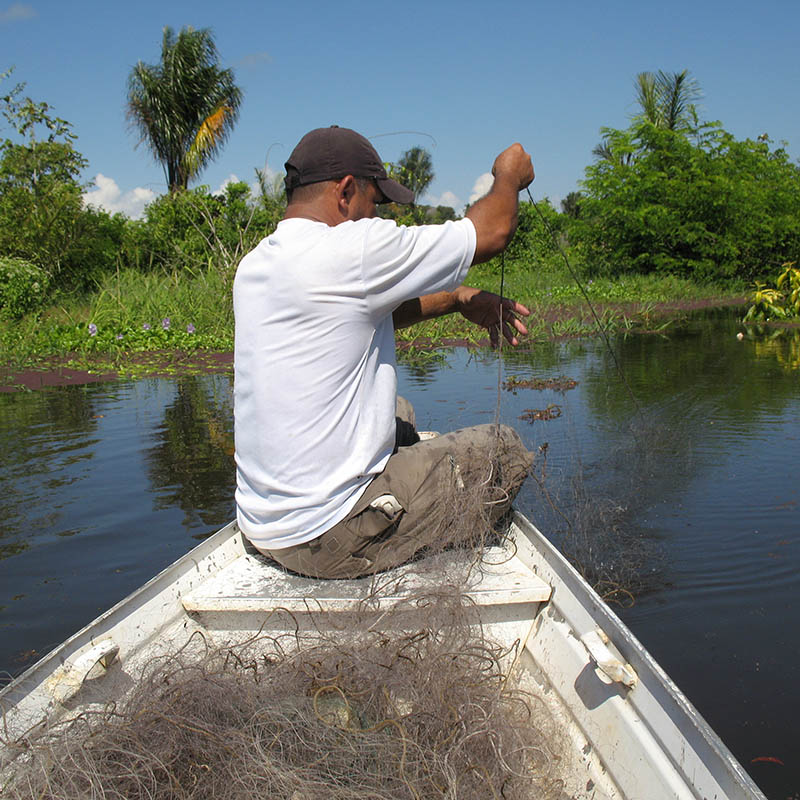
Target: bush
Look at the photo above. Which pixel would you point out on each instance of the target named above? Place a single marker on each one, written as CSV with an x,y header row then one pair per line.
x,y
192,231
23,287
698,204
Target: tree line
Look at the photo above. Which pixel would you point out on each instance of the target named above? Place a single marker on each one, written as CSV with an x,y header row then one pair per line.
x,y
677,195
669,194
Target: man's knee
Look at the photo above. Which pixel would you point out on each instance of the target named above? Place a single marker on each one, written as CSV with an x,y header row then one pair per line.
x,y
405,411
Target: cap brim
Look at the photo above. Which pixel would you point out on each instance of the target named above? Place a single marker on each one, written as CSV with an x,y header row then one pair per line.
x,y
394,192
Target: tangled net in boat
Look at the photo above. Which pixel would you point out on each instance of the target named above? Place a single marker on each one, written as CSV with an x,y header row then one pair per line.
x,y
423,712
410,701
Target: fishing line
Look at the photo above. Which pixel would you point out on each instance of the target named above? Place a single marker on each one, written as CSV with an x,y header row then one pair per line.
x,y
399,133
500,342
586,296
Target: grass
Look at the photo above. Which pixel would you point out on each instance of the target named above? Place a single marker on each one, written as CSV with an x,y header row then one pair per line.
x,y
131,314
558,307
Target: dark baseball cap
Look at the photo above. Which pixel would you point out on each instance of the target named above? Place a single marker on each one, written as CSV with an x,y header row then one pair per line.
x,y
327,154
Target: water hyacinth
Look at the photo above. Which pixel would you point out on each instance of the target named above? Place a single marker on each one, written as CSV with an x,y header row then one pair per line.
x,y
118,336
165,323
92,329
190,328
146,326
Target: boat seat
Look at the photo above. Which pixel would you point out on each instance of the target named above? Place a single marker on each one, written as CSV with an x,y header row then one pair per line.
x,y
253,583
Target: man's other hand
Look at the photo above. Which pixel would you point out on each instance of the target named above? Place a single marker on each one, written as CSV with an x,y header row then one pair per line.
x,y
485,308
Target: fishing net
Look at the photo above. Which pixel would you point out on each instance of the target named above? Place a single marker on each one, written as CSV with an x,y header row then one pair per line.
x,y
412,700
398,712
593,507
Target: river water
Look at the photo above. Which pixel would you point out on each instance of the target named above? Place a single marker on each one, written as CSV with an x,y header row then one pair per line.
x,y
682,494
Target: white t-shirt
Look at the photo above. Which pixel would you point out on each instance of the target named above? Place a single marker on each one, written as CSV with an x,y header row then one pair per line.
x,y
315,381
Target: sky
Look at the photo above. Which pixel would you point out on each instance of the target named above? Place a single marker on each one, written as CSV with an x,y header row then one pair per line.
x,y
462,79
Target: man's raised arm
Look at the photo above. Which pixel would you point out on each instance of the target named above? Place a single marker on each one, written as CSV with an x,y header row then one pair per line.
x,y
495,215
495,219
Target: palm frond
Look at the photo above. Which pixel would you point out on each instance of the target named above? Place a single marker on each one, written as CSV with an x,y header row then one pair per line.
x,y
666,99
648,97
677,91
210,137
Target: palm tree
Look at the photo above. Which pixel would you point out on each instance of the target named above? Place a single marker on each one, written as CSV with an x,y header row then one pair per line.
x,y
185,106
416,170
571,204
667,99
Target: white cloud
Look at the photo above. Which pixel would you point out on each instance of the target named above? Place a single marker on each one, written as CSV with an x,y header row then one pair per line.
x,y
16,13
232,178
481,187
445,199
107,195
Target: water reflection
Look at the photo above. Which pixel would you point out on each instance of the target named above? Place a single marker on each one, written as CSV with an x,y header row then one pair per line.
x,y
102,486
191,465
781,345
43,446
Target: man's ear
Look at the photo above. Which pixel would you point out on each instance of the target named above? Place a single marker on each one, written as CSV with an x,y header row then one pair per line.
x,y
345,191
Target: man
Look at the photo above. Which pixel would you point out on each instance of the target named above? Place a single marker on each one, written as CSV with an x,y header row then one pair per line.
x,y
329,482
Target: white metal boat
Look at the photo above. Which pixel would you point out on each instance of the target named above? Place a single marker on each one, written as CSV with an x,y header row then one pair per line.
x,y
632,731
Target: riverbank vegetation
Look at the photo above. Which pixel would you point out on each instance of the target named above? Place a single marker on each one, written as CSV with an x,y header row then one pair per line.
x,y
673,210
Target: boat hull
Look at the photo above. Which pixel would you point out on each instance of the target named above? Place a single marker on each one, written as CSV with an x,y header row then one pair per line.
x,y
632,733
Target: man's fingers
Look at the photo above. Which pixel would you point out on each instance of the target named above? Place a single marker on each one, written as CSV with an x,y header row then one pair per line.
x,y
510,317
509,333
513,305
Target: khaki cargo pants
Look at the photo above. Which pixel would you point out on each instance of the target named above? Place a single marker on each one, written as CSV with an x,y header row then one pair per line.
x,y
429,495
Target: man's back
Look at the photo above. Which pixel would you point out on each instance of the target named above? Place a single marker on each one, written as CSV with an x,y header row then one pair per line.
x,y
315,370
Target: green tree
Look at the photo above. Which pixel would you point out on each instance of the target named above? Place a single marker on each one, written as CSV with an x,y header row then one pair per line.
x,y
415,170
40,192
571,205
441,214
185,107
195,230
696,203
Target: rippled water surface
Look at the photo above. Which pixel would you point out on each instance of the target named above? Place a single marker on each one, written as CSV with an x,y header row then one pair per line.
x,y
101,486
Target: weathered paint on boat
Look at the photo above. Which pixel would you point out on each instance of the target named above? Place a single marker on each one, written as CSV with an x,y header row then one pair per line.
x,y
633,733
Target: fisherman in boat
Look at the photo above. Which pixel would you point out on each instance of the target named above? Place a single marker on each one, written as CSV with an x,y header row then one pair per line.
x,y
332,478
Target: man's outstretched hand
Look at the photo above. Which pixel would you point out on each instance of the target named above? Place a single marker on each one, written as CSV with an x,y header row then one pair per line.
x,y
484,309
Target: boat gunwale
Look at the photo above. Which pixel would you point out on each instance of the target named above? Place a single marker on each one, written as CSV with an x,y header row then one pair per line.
x,y
667,695
37,674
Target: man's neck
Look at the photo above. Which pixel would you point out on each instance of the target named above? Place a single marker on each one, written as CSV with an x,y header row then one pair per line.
x,y
304,212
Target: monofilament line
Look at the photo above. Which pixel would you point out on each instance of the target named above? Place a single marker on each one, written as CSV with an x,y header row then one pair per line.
x,y
589,302
500,341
